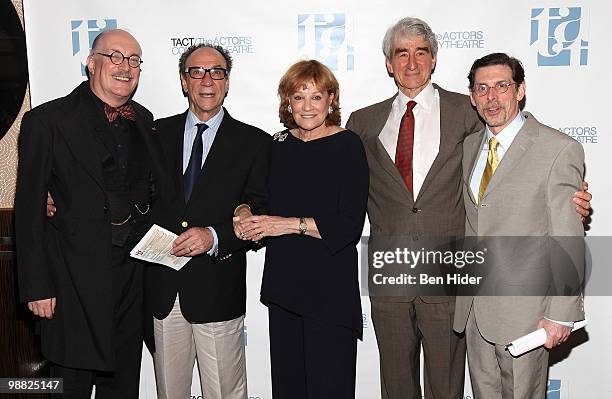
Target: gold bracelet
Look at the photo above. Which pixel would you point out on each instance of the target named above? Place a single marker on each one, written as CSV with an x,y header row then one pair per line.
x,y
241,206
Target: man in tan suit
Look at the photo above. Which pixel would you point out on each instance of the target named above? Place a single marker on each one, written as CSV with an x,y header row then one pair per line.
x,y
519,176
425,201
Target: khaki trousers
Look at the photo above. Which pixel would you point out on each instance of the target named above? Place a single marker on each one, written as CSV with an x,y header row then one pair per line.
x,y
495,374
219,348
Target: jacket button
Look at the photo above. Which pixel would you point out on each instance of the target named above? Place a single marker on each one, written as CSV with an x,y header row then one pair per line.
x,y
184,223
415,210
105,208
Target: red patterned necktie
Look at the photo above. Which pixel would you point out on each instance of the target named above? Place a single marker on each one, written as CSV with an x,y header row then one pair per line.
x,y
405,144
125,110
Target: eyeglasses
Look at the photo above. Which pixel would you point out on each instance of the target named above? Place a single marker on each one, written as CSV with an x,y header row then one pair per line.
x,y
500,88
216,73
117,58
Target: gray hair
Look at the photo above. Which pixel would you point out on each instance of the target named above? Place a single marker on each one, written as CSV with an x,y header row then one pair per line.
x,y
409,27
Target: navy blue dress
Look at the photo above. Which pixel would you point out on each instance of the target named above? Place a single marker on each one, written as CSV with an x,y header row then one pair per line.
x,y
326,179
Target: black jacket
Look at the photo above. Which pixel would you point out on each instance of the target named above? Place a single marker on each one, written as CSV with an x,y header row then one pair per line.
x,y
69,256
211,288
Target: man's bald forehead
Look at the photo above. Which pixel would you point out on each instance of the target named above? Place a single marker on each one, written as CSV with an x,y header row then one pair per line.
x,y
112,35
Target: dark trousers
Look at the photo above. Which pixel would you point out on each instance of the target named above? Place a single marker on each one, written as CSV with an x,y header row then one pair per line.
x,y
401,328
124,382
310,359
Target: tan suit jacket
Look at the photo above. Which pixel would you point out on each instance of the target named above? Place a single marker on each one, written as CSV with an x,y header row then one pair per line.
x,y
530,194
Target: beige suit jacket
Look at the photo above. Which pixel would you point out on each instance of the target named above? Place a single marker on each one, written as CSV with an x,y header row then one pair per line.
x,y
530,194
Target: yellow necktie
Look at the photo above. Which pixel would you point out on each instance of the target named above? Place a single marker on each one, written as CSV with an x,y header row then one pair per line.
x,y
492,162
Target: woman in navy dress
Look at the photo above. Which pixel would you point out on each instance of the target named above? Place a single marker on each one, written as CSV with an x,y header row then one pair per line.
x,y
318,187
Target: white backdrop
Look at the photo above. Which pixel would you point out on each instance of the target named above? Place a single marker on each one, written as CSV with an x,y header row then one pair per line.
x,y
563,46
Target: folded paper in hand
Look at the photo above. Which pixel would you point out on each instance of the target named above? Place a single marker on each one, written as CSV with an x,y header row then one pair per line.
x,y
534,340
156,247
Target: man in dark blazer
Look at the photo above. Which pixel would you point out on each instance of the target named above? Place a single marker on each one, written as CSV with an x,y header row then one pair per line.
x,y
216,164
421,202
96,152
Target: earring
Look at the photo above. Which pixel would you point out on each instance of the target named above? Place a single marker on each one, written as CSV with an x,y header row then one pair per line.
x,y
289,109
330,110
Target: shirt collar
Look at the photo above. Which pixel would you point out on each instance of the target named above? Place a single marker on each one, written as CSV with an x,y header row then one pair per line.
x,y
507,135
424,99
192,119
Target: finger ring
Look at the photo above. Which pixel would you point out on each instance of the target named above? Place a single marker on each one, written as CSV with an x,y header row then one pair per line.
x,y
241,235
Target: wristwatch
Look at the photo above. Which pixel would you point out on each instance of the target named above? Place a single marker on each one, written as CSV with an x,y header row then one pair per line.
x,y
303,226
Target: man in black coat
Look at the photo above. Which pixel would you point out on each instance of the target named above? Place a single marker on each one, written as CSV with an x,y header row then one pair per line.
x,y
96,152
216,164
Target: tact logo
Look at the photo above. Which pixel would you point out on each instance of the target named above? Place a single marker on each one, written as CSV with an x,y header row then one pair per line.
x,y
553,391
234,44
83,34
325,37
559,34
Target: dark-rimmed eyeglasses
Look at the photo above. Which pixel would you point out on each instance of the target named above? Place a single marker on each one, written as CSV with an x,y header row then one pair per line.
x,y
117,58
216,73
500,88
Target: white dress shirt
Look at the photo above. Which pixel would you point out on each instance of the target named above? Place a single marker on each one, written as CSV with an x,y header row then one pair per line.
x,y
426,132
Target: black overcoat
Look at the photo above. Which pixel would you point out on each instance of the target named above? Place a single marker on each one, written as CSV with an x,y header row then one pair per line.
x,y
68,256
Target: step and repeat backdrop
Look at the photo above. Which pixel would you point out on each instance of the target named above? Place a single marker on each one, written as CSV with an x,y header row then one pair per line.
x,y
564,46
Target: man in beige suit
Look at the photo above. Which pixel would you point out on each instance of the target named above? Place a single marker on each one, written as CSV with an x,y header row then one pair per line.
x,y
418,204
519,176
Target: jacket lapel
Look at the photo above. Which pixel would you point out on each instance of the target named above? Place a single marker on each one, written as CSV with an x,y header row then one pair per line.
x,y
149,136
176,131
217,157
377,120
448,118
381,155
471,150
79,131
521,144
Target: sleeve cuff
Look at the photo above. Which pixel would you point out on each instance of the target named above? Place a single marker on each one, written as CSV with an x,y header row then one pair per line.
x,y
214,250
569,324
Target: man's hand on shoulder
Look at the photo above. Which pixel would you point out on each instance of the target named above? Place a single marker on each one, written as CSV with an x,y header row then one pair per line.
x,y
195,241
43,307
582,199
